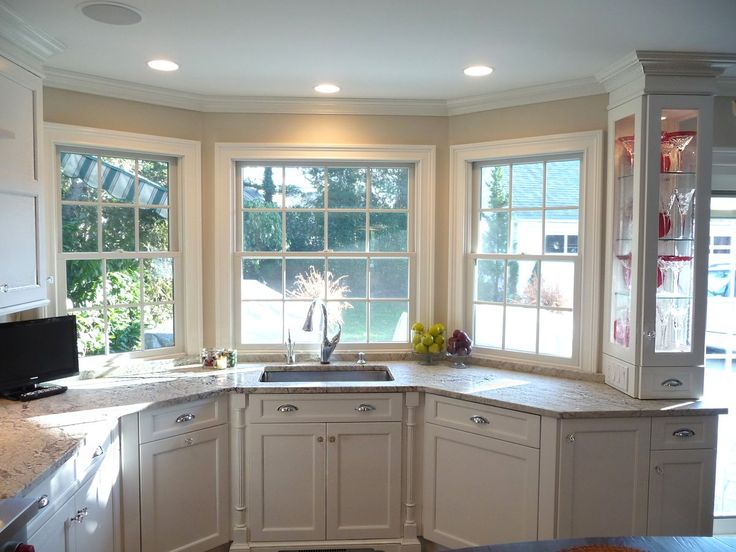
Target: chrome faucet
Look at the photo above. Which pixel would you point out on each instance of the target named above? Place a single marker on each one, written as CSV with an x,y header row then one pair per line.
x,y
328,345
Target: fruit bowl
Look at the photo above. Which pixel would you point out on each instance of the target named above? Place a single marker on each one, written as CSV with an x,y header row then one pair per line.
x,y
429,359
428,344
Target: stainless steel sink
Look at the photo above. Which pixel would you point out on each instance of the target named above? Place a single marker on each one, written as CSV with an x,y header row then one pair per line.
x,y
319,373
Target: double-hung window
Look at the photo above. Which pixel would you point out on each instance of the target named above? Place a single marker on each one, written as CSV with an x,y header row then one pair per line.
x,y
341,232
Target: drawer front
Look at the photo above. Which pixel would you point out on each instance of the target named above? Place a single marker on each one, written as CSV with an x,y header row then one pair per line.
x,y
97,445
182,418
684,432
348,407
500,423
663,382
52,493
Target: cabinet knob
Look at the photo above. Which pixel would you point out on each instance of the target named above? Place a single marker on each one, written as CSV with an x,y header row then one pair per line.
x,y
571,437
659,470
332,439
79,517
683,433
320,439
287,408
42,501
479,420
365,408
189,441
672,382
185,418
99,451
4,288
651,334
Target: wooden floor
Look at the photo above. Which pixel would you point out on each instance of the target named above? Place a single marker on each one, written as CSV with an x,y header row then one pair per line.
x,y
646,544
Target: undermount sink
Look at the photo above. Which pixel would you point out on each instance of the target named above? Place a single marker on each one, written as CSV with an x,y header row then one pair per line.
x,y
318,372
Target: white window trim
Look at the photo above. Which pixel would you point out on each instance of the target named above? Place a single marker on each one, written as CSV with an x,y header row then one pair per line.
x,y
189,195
462,157
226,155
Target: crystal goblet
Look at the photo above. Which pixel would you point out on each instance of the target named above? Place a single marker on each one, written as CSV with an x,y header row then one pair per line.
x,y
684,199
628,143
680,139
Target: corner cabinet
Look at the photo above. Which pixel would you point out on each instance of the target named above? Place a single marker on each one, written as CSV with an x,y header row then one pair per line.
x,y
22,272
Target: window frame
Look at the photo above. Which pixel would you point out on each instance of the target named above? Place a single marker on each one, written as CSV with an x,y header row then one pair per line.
x,y
421,209
184,202
463,159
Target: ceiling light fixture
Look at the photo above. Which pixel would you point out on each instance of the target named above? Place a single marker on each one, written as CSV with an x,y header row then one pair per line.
x,y
111,13
478,70
163,65
327,88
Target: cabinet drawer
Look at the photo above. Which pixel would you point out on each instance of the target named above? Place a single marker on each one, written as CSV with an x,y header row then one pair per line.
x,y
182,418
500,423
95,448
664,382
684,432
52,493
372,407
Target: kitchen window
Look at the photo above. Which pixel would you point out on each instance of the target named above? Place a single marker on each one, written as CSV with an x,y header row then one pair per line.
x,y
524,255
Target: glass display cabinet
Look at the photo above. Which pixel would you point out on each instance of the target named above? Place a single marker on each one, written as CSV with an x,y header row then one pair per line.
x,y
659,167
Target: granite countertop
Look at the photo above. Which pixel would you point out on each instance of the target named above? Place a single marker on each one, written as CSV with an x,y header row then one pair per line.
x,y
38,436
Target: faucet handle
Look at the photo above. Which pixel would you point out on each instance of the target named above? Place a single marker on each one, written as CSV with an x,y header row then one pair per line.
x,y
361,358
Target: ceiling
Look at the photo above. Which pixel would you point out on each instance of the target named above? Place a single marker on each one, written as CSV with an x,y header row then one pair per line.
x,y
372,49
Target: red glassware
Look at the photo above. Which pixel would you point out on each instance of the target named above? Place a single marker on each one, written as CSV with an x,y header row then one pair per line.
x,y
665,224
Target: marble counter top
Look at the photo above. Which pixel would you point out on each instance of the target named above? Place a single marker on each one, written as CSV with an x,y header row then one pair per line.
x,y
38,436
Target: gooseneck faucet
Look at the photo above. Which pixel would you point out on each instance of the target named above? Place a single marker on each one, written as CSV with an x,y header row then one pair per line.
x,y
328,345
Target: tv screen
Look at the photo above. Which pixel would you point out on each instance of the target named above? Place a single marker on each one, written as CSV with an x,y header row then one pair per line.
x,y
35,351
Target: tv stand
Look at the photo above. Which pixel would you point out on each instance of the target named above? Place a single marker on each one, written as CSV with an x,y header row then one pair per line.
x,y
33,392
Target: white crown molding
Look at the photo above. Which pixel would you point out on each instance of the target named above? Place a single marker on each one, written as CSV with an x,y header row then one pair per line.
x,y
726,86
527,95
25,44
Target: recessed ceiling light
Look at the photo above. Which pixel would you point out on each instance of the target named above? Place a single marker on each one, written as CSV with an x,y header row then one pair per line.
x,y
478,70
163,65
663,118
327,88
111,13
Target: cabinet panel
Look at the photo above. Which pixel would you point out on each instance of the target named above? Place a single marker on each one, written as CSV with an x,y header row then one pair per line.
x,y
54,535
363,480
681,492
187,473
95,499
286,481
603,470
478,490
17,125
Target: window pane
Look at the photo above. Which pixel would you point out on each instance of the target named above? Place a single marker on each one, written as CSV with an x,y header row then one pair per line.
x,y
489,280
78,177
118,229
521,329
305,187
522,287
563,224
90,332
123,282
389,322
262,186
261,279
388,231
555,333
83,283
494,233
526,185
526,232
118,179
153,229
346,188
305,231
563,183
390,278
153,182
355,326
494,189
346,231
558,284
261,321
295,313
158,280
351,274
78,228
390,188
124,329
305,279
261,231
158,324
488,325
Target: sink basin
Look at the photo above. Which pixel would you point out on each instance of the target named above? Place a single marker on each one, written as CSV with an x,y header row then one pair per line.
x,y
319,372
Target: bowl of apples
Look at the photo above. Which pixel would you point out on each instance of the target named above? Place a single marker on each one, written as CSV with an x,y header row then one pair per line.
x,y
428,343
459,345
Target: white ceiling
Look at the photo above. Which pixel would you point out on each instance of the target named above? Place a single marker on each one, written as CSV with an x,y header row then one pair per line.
x,y
374,49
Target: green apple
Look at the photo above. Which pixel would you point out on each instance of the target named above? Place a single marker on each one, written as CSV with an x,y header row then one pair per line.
x,y
417,327
427,340
434,348
420,348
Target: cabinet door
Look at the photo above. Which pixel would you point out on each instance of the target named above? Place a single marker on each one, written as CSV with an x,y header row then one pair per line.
x,y
681,489
363,480
96,500
286,481
603,474
184,492
56,535
478,490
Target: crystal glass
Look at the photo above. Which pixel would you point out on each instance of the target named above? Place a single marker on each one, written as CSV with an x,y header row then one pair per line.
x,y
628,143
684,199
680,140
666,146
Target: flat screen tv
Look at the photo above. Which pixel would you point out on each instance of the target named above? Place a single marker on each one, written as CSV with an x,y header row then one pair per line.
x,y
36,351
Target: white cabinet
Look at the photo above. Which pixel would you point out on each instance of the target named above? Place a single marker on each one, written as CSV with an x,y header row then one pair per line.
x,y
478,488
54,535
22,278
184,480
312,481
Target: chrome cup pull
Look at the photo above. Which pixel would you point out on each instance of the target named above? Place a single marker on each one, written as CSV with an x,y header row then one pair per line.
x,y
287,408
672,382
42,501
683,433
479,420
185,418
365,408
99,451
